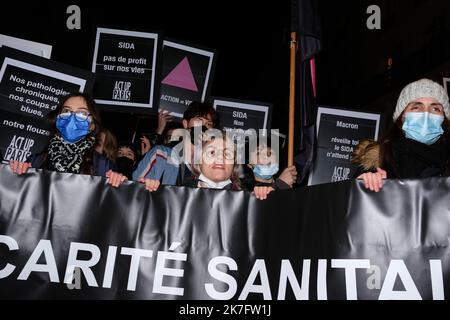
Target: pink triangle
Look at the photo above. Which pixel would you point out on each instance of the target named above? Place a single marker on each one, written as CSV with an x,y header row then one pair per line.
x,y
181,76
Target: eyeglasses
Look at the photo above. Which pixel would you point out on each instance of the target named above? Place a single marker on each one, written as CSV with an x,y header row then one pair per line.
x,y
81,115
212,153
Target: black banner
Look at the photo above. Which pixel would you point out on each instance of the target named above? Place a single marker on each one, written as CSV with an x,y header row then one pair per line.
x,y
72,236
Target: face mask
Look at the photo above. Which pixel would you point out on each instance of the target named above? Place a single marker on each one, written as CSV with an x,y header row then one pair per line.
x,y
125,166
73,129
265,172
208,183
423,127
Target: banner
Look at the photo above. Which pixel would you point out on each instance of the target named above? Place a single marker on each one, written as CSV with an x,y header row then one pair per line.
x,y
187,72
338,133
125,64
69,236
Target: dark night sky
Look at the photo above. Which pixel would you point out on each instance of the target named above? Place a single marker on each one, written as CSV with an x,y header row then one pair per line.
x,y
353,65
253,55
252,40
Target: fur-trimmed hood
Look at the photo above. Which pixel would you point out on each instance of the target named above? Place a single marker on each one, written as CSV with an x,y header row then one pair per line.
x,y
367,155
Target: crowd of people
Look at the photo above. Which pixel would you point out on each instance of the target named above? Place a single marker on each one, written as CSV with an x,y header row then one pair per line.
x,y
416,146
79,144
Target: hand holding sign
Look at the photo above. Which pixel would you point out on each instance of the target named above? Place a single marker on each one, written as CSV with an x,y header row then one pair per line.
x,y
163,118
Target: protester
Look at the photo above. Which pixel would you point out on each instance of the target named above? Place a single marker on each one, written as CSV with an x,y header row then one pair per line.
x,y
75,124
264,163
148,141
127,156
217,168
146,144
156,138
417,144
105,153
169,137
162,163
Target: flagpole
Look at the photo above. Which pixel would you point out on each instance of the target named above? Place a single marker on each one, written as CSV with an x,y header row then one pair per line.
x,y
292,100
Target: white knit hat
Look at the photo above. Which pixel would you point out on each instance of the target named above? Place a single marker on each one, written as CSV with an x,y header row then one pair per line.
x,y
423,88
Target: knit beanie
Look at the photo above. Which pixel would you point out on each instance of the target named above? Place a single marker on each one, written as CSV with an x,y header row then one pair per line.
x,y
423,88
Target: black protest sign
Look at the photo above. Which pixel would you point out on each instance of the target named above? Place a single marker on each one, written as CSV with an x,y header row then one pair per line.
x,y
125,64
36,48
33,85
244,119
244,115
338,133
186,74
21,136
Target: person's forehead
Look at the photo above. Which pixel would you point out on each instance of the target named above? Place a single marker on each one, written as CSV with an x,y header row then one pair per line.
x,y
220,144
125,149
75,103
426,100
207,117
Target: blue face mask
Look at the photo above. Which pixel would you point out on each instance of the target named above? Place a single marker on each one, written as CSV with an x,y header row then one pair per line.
x,y
73,129
265,171
423,127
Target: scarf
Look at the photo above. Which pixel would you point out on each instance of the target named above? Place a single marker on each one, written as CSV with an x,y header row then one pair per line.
x,y
68,157
204,182
417,160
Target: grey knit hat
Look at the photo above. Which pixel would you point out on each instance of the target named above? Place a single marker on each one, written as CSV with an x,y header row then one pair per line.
x,y
423,88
